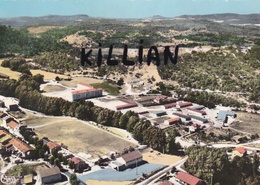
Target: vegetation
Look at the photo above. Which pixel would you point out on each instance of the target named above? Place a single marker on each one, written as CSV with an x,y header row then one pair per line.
x,y
27,91
24,169
217,70
213,164
111,89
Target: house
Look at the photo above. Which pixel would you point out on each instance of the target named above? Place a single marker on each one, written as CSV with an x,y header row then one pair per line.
x,y
159,99
16,144
238,151
79,164
2,114
172,121
49,175
198,119
53,145
130,159
12,125
84,91
188,179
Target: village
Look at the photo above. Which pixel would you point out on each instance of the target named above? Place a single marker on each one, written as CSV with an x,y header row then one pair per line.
x,y
19,141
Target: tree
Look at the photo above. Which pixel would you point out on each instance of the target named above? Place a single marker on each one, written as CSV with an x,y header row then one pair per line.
x,y
120,82
73,179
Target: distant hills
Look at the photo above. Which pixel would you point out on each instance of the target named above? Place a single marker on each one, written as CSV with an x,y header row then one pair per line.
x,y
60,20
228,18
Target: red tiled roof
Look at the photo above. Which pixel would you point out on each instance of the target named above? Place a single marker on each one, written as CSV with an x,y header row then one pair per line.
x,y
241,150
173,120
187,178
23,147
85,90
52,145
75,160
184,104
12,124
131,156
158,98
170,105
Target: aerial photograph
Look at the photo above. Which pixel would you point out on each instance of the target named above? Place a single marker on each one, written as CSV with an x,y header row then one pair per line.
x,y
130,92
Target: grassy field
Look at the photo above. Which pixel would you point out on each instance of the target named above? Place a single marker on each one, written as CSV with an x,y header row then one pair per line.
x,y
47,75
25,169
53,88
249,122
8,72
76,80
111,89
78,136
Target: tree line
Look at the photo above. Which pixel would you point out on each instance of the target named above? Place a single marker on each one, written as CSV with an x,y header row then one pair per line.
x,y
213,164
26,89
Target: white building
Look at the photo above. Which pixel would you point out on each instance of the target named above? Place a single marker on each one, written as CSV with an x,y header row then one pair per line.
x,y
85,91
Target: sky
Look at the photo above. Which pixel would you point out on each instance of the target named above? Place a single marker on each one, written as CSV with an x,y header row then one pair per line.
x,y
125,8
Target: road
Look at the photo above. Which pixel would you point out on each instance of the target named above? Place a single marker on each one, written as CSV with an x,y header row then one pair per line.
x,y
155,177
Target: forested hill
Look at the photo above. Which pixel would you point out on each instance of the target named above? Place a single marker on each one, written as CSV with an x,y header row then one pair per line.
x,y
229,18
56,20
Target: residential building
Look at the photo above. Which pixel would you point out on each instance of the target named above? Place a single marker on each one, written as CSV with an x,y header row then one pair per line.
x,y
12,126
53,145
238,151
16,144
85,91
159,99
49,175
188,179
166,183
130,159
79,164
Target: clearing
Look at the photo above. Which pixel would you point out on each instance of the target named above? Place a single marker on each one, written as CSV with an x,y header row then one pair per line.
x,y
76,80
248,122
79,136
41,29
47,75
53,88
8,72
159,158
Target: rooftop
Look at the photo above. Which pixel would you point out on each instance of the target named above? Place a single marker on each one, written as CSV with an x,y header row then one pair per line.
x,y
187,178
20,145
49,172
131,156
12,124
241,150
223,114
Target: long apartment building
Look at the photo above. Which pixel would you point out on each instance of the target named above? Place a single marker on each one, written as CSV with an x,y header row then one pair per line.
x,y
85,91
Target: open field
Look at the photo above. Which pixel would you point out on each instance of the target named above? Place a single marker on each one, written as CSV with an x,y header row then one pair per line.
x,y
80,137
95,182
47,75
76,80
53,88
248,122
41,29
111,89
159,158
8,72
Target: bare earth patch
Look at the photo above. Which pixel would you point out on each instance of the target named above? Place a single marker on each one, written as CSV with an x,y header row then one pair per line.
x,y
248,122
47,75
41,29
82,137
76,80
53,88
8,72
159,158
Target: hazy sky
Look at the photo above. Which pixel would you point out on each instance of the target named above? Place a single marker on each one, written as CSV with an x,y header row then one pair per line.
x,y
125,8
